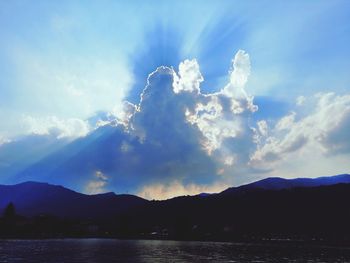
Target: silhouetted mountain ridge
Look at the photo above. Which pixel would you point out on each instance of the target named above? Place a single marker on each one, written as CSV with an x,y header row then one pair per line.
x,y
34,198
278,183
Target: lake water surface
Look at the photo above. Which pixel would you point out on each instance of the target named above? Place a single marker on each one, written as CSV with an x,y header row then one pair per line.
x,y
111,250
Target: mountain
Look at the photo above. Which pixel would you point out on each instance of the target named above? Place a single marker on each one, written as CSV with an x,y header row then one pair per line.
x,y
33,198
277,183
270,209
302,213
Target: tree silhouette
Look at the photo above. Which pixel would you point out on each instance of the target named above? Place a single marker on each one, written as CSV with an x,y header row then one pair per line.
x,y
10,211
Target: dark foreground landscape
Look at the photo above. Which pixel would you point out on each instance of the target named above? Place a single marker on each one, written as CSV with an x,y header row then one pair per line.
x,y
273,210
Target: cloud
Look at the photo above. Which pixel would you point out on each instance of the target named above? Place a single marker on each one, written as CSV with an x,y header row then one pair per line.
x,y
335,137
61,128
286,123
325,129
186,128
240,71
219,116
97,185
300,100
4,140
175,133
189,78
263,127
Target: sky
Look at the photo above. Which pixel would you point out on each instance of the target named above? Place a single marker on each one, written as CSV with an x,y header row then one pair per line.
x,y
168,98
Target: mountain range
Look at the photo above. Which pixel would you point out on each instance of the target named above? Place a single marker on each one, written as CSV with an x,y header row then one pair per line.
x,y
34,198
277,183
269,209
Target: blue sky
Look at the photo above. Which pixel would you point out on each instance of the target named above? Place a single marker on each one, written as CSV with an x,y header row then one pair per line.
x,y
67,68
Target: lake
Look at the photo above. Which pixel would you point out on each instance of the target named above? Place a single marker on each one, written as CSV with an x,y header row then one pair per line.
x,y
112,250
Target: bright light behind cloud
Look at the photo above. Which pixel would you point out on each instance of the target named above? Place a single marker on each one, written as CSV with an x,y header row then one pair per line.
x,y
240,93
178,140
176,188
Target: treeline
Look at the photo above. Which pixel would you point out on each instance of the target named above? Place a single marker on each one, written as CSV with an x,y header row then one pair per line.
x,y
13,225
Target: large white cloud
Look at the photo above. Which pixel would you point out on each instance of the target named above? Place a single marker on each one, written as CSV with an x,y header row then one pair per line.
x,y
217,116
187,128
